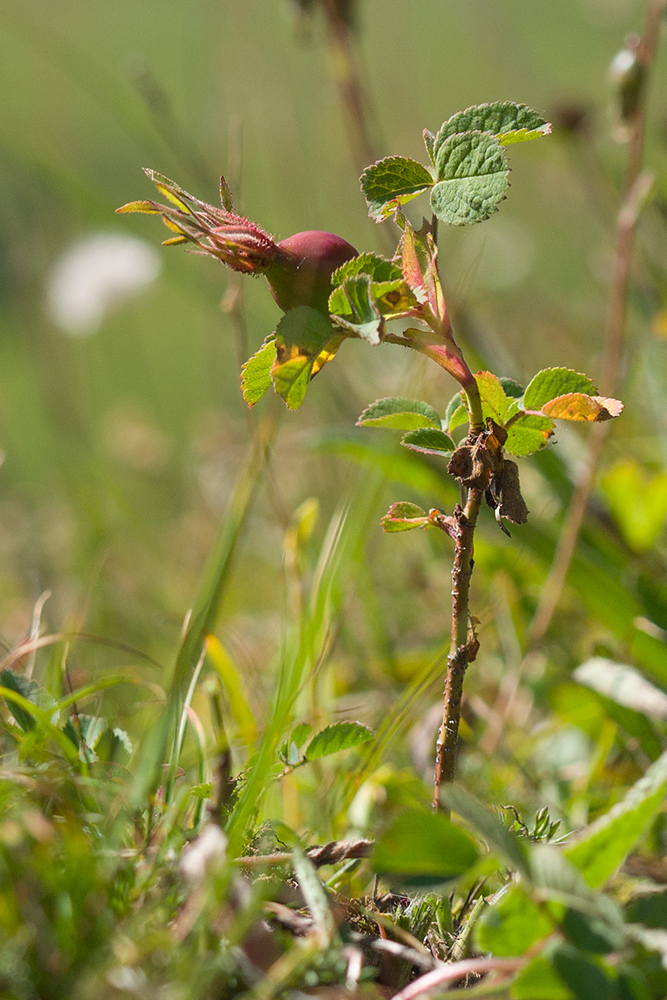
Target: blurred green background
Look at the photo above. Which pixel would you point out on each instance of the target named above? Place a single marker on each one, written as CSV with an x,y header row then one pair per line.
x,y
122,442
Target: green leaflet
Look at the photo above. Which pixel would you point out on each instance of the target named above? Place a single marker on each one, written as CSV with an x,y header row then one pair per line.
x,y
391,182
353,305
339,736
507,121
31,691
528,434
302,335
403,516
377,268
399,413
495,403
429,441
473,177
553,382
256,372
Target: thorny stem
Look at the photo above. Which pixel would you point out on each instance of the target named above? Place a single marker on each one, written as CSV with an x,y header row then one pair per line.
x,y
460,652
633,187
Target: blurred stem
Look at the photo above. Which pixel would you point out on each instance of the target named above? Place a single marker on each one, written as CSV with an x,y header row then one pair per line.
x,y
346,74
634,188
459,653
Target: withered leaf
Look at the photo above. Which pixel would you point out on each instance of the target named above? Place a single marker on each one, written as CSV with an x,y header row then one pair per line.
x,y
512,504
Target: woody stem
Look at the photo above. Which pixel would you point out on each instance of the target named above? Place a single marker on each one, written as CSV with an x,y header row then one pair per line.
x,y
459,654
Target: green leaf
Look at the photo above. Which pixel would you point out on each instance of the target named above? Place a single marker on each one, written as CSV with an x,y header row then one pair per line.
x,y
398,413
30,690
512,924
391,182
429,142
511,388
422,848
377,268
600,848
507,121
403,516
302,334
339,736
428,441
553,382
624,685
494,400
300,734
487,824
473,177
365,318
539,981
528,434
114,745
256,372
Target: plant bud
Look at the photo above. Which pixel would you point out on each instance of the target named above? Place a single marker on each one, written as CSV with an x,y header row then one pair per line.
x,y
626,74
301,273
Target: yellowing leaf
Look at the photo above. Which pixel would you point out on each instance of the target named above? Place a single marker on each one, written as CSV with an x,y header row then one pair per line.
x,y
580,407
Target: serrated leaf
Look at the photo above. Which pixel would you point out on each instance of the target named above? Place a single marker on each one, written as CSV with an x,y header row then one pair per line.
x,y
487,823
423,848
512,388
428,441
579,407
494,400
355,309
391,182
300,734
399,413
256,372
512,925
528,434
404,516
553,382
339,736
376,267
30,690
599,849
507,121
473,178
114,745
624,685
301,336
429,142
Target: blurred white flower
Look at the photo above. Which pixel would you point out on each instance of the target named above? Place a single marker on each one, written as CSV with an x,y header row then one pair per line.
x,y
95,275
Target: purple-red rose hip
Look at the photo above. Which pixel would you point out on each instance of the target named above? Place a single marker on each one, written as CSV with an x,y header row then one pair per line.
x,y
301,273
